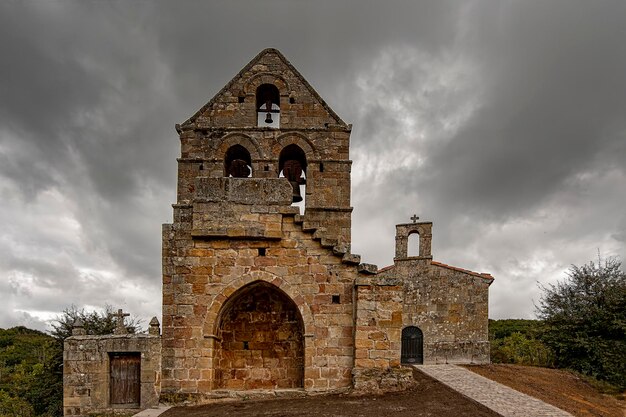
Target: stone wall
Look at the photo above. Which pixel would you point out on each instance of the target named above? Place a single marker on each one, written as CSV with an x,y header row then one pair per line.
x,y
449,305
86,376
201,275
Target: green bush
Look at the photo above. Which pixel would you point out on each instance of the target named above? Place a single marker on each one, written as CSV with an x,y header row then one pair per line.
x,y
585,321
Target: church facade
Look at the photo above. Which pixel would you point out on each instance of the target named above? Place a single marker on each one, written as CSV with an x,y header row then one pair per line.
x,y
257,295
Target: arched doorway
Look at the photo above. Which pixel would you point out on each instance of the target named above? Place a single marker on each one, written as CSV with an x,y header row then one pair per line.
x,y
260,340
412,346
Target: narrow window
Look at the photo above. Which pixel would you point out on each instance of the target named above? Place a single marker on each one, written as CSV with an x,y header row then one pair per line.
x,y
268,106
336,299
261,251
413,244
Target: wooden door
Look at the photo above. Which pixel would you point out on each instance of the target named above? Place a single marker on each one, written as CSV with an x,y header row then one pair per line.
x,y
125,379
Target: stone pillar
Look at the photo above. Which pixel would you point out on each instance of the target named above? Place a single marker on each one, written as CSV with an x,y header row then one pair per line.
x,y
78,328
155,327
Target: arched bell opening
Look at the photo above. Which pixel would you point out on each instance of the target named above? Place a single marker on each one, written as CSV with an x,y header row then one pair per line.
x,y
412,352
292,165
260,342
413,244
237,162
268,106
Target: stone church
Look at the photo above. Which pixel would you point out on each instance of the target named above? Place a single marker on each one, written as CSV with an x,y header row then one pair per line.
x,y
256,294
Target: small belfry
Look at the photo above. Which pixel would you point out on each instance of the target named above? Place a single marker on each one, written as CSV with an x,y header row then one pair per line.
x,y
260,288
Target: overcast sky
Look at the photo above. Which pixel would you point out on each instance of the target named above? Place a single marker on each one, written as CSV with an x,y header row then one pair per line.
x,y
503,122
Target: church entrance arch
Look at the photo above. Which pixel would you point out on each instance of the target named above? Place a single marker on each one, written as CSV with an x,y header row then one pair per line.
x,y
260,340
412,346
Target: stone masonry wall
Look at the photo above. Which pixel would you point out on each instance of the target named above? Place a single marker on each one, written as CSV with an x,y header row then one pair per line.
x,y
200,275
86,378
448,304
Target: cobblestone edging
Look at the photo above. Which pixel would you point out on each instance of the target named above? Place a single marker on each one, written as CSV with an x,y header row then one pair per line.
x,y
497,397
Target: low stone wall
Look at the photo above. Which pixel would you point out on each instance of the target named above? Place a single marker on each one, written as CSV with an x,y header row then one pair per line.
x,y
86,375
379,381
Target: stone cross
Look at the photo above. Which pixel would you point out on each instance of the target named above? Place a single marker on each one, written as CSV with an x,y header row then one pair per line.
x,y
120,328
415,218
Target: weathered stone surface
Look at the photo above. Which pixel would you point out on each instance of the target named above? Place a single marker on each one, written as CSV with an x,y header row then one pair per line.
x,y
86,361
229,233
259,296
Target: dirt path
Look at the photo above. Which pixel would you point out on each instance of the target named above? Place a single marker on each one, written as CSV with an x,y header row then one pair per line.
x,y
557,387
430,399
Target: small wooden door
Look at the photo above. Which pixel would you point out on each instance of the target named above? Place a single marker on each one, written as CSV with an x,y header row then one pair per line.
x,y
412,346
125,379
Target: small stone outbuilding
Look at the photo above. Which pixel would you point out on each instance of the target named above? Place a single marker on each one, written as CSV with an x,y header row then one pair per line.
x,y
260,288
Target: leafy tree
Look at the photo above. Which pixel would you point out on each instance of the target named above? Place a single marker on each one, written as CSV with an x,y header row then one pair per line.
x,y
585,320
31,362
94,322
11,406
31,373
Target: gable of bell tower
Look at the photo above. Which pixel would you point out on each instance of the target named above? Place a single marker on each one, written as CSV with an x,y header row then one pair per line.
x,y
269,123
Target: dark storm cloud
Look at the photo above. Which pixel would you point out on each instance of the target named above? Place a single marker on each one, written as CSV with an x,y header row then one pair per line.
x,y
501,121
556,103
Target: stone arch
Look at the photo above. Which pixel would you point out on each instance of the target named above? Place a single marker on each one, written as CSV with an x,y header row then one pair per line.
x,y
296,138
211,322
248,142
260,340
413,243
237,162
256,80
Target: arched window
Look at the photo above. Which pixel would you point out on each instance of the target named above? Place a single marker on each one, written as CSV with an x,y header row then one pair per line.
x,y
412,346
237,162
413,244
292,165
268,106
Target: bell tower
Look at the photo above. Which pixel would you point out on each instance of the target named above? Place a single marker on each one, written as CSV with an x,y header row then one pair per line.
x,y
268,122
265,144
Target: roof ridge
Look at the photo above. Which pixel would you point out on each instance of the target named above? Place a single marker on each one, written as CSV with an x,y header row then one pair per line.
x,y
467,271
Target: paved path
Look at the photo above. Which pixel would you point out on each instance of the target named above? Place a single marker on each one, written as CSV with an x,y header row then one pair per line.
x,y
500,398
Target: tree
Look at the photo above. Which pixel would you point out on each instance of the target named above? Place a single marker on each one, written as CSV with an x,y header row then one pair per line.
x,y
95,323
585,320
31,377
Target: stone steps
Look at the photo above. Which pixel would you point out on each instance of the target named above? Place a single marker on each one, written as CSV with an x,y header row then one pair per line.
x,y
338,249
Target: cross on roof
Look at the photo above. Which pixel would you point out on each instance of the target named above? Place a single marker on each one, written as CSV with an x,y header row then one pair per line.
x,y
120,328
415,218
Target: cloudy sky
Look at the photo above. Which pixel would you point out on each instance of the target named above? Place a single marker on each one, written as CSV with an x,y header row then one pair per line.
x,y
503,122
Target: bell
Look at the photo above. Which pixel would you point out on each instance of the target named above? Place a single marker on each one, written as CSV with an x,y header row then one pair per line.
x,y
268,118
296,197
